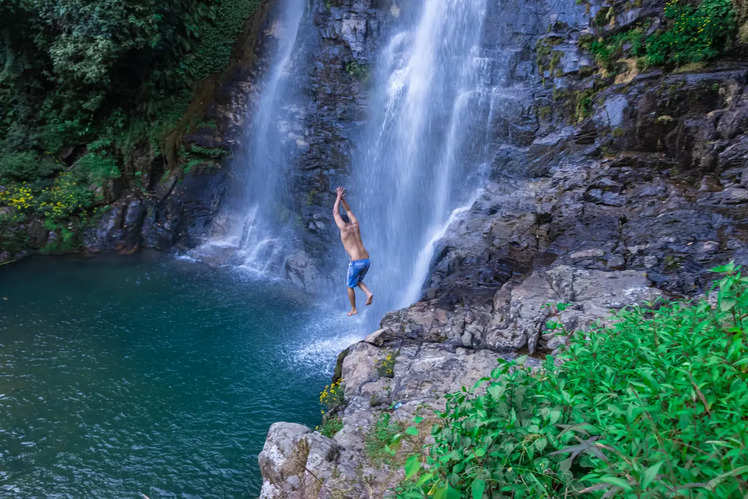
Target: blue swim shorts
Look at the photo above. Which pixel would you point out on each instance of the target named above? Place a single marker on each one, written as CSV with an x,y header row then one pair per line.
x,y
357,269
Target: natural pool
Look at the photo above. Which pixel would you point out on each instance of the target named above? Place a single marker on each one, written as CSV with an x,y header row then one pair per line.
x,y
149,375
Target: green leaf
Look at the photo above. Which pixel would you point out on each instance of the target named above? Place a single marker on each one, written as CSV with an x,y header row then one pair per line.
x,y
650,474
477,488
726,304
541,443
424,478
411,430
496,390
724,269
453,493
555,415
417,419
439,491
412,465
618,482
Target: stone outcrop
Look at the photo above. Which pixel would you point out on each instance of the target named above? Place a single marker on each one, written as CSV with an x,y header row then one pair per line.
x,y
608,191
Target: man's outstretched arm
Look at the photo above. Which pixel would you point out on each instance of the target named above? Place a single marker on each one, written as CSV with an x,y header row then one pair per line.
x,y
348,211
336,209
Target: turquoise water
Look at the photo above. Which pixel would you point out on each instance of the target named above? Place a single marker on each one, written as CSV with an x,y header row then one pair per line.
x,y
150,375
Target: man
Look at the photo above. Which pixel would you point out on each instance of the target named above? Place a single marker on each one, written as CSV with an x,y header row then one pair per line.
x,y
350,235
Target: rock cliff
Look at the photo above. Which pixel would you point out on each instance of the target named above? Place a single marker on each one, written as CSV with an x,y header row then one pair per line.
x,y
607,190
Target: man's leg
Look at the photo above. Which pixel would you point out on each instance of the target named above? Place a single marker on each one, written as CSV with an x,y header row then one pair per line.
x,y
352,299
365,289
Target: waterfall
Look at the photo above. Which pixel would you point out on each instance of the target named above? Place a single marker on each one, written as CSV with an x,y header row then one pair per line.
x,y
422,153
417,162
253,230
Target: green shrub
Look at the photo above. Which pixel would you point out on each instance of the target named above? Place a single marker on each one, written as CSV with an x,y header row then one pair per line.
x,y
585,99
695,33
68,195
357,70
108,73
114,79
330,426
98,168
26,165
608,50
333,396
377,442
654,405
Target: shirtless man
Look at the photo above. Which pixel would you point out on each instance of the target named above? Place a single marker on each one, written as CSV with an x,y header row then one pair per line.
x,y
350,235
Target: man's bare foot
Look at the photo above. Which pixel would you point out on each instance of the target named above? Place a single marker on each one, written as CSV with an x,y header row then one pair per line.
x,y
369,299
352,312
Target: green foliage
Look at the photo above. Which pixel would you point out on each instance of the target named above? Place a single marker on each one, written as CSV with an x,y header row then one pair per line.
x,y
608,50
201,156
108,72
653,406
332,398
11,239
695,34
584,102
692,34
98,167
68,195
546,58
207,152
382,437
86,85
27,165
330,426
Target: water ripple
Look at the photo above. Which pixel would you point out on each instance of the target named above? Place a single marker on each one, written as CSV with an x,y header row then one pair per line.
x,y
129,376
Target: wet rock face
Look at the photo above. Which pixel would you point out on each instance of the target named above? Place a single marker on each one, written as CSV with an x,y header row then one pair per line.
x,y
181,217
344,39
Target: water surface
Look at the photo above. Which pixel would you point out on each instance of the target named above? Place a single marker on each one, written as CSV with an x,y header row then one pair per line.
x,y
146,374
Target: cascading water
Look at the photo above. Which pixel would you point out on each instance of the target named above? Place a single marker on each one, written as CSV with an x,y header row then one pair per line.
x,y
417,162
422,152
252,230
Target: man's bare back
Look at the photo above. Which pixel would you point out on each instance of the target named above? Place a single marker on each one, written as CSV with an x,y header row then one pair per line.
x,y
350,236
